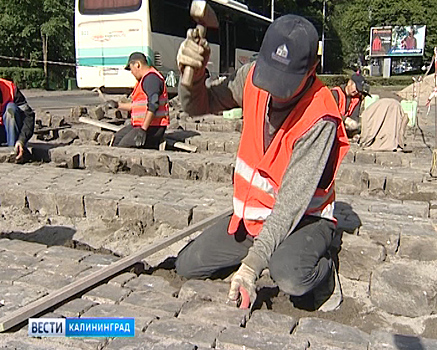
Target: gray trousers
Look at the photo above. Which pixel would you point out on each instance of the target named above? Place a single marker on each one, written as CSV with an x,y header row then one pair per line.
x,y
299,264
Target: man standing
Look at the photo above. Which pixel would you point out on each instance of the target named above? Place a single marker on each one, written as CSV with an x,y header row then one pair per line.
x,y
349,98
292,143
17,119
149,107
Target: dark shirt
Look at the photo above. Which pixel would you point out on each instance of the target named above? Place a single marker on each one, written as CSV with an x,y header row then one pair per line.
x,y
355,114
29,116
153,87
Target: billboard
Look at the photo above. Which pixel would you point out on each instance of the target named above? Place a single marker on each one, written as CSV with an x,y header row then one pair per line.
x,y
397,41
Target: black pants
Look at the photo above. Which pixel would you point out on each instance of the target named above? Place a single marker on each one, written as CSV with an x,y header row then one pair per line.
x,y
299,264
125,137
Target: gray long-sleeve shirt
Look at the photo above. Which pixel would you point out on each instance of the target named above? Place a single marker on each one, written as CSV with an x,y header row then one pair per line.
x,y
307,167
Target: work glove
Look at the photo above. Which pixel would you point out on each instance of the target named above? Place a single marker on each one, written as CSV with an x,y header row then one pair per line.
x,y
140,138
111,104
194,51
243,287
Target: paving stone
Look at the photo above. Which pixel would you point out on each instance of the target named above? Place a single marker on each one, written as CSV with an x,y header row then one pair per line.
x,y
105,138
155,300
365,157
382,340
359,256
160,163
187,168
399,187
41,201
13,197
64,254
107,293
149,343
331,331
70,204
418,247
16,296
204,290
213,314
7,276
405,288
143,316
221,170
41,278
389,238
100,207
269,321
75,308
153,283
388,159
136,211
99,259
200,335
236,338
32,345
176,215
121,280
10,260
104,162
19,246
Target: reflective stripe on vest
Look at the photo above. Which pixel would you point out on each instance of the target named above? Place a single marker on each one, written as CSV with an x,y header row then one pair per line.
x,y
7,89
258,174
140,101
354,101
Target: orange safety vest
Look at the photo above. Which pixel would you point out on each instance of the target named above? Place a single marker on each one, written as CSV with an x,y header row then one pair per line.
x,y
342,102
7,89
258,174
140,100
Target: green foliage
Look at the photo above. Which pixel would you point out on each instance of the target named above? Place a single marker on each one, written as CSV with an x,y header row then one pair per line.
x,y
24,78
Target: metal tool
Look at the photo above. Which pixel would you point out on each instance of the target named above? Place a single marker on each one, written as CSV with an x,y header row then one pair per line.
x,y
205,17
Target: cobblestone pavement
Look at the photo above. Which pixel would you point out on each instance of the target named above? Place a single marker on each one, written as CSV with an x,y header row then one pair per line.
x,y
83,205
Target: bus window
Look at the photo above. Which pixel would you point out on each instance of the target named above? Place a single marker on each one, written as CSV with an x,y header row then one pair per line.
x,y
95,7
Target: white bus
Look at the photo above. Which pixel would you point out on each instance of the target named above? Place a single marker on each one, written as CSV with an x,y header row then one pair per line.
x,y
108,31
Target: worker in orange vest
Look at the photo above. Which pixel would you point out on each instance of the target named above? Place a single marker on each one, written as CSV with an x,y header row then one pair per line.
x,y
17,119
292,143
149,107
349,98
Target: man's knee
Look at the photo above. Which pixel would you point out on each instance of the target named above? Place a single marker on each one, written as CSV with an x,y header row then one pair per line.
x,y
11,110
293,285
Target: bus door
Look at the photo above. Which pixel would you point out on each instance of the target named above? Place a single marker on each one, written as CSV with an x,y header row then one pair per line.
x,y
227,46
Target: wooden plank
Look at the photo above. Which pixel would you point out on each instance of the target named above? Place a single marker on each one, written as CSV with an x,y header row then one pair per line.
x,y
180,145
100,124
37,307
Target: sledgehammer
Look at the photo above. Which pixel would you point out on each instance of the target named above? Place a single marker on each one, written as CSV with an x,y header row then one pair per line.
x,y
205,17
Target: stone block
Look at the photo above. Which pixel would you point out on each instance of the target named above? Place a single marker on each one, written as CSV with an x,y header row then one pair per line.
x,y
67,135
216,146
204,127
422,248
151,283
386,236
20,295
148,343
12,197
364,157
234,338
103,162
70,204
388,341
389,159
209,313
107,294
42,201
410,208
75,308
100,207
78,111
405,288
204,290
349,157
105,138
7,276
136,211
97,113
43,280
331,331
399,187
175,215
89,134
10,260
188,169
377,183
122,279
22,247
200,335
266,320
63,254
155,300
159,163
359,256
200,142
231,146
220,170
99,260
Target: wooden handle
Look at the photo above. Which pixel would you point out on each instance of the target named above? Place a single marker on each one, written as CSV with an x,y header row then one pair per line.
x,y
187,76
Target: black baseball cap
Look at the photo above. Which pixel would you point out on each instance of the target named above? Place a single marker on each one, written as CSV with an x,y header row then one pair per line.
x,y
361,84
288,52
134,57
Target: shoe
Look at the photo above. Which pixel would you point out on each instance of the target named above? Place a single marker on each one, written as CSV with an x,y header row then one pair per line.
x,y
328,296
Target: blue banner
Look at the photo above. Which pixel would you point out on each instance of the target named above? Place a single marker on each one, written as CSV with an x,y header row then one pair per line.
x,y
100,327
